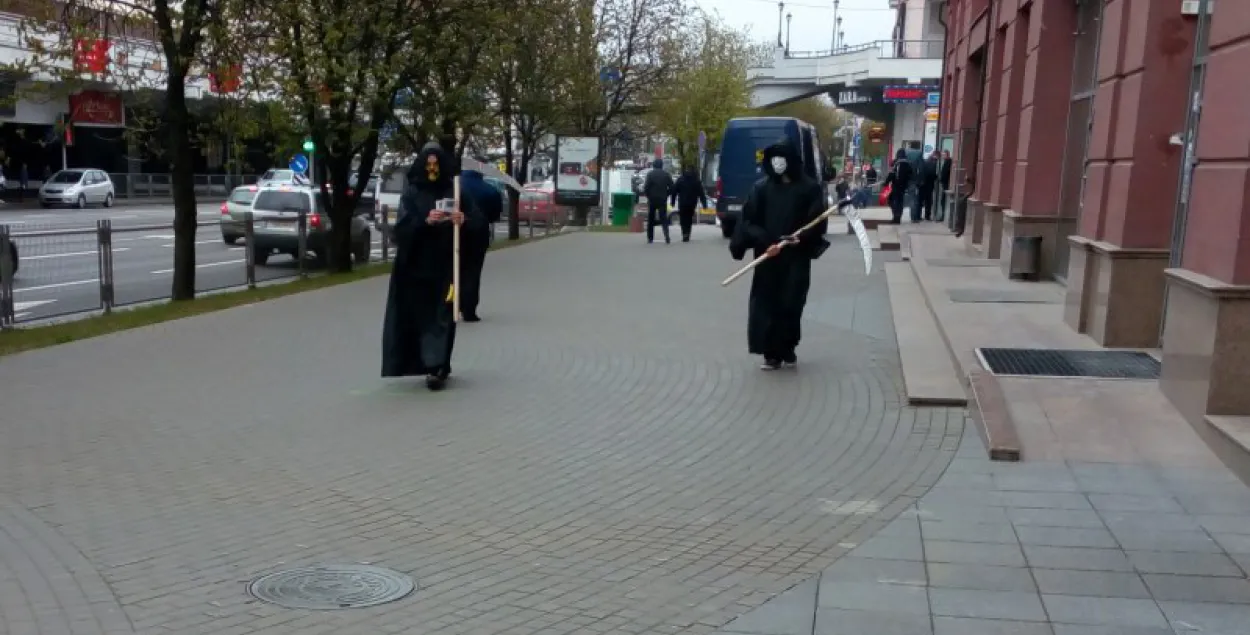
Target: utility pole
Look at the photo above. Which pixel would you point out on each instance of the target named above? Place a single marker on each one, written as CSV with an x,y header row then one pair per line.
x,y
833,45
781,11
788,16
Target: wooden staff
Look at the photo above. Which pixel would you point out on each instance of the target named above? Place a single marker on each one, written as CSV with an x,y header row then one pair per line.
x,y
455,253
784,243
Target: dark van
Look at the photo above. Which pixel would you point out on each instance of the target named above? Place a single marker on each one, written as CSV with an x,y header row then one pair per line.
x,y
742,147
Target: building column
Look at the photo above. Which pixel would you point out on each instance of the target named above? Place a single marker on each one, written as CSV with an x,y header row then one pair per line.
x,y
1133,173
1043,113
1206,339
1015,37
989,219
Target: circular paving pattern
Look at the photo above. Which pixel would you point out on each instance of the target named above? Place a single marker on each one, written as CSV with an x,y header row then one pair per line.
x,y
330,587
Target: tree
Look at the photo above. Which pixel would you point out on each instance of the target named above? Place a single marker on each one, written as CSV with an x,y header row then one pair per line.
x,y
708,86
340,75
153,48
531,83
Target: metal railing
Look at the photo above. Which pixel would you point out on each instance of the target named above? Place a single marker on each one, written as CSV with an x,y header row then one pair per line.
x,y
53,272
887,49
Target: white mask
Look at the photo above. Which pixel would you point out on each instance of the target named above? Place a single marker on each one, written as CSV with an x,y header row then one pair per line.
x,y
779,165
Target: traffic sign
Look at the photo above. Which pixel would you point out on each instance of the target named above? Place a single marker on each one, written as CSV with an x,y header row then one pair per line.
x,y
609,75
299,164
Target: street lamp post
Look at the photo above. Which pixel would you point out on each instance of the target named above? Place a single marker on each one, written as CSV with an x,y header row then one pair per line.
x,y
788,17
838,43
842,38
833,47
781,11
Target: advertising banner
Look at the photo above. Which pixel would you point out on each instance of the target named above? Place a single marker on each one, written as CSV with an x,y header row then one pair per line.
x,y
577,171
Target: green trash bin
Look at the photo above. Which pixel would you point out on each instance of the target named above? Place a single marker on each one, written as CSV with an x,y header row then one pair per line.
x,y
622,208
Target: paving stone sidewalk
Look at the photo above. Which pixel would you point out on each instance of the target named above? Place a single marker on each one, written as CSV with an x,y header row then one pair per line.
x,y
1039,549
608,459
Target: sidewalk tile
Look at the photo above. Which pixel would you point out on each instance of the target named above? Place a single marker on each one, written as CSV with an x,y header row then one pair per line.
x,y
969,532
1085,629
1110,611
1066,537
853,568
973,553
995,605
1198,589
873,596
1203,618
1225,524
972,626
851,622
1153,520
1076,558
1146,538
1135,503
890,548
1092,583
1044,500
790,613
1178,563
982,577
1233,543
1087,518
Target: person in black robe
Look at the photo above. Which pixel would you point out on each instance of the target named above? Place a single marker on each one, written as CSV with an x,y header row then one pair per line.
x,y
779,205
475,242
419,331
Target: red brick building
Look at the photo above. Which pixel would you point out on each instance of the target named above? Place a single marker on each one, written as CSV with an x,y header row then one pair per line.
x,y
1078,121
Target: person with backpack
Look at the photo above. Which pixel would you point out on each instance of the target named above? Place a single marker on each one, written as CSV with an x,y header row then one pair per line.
x,y
899,180
488,203
687,193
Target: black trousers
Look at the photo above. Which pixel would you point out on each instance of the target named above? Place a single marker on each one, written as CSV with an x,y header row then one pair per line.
x,y
896,207
926,203
657,212
472,259
685,217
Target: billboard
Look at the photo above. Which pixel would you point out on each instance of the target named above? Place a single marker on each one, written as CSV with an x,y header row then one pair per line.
x,y
577,171
908,94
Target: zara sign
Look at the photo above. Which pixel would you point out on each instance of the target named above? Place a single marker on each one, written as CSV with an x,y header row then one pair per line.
x,y
853,97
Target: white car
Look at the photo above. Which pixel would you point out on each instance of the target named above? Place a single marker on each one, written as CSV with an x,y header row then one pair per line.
x,y
282,177
77,187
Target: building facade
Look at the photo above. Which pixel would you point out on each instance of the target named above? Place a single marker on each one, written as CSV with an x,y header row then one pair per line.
x,y
1115,130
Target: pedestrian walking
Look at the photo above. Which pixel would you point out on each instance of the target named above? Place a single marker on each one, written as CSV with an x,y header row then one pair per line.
x,y
657,186
928,181
916,159
419,330
23,179
687,193
778,206
899,181
487,208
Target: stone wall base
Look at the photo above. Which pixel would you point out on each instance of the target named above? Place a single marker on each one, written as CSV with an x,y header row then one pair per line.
x,y
1120,290
1017,224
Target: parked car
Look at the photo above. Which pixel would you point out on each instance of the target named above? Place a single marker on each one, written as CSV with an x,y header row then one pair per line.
x,y
537,205
282,177
80,188
275,225
366,205
234,213
386,192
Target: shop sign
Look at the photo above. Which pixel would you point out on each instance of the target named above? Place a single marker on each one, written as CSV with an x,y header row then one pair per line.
x,y
97,108
934,99
931,114
853,97
907,94
226,80
876,134
91,55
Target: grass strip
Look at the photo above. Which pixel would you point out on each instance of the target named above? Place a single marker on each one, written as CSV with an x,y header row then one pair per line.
x,y
26,339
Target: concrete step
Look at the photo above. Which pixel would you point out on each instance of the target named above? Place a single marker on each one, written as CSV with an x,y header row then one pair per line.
x,y
929,374
1229,437
889,236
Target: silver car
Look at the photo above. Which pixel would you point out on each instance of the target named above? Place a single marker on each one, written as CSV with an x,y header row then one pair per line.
x,y
80,188
275,225
282,177
234,213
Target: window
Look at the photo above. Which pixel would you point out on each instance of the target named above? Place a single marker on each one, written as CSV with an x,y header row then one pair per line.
x,y
67,176
280,201
243,196
394,184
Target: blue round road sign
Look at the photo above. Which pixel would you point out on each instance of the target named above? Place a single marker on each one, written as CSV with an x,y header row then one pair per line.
x,y
299,164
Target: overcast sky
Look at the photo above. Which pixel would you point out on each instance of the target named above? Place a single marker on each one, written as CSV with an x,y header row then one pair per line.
x,y
812,26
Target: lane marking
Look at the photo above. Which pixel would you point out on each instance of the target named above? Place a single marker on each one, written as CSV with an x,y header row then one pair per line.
x,y
58,285
71,253
207,264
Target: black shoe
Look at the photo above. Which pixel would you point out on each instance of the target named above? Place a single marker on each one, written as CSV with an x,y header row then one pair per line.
x,y
437,381
770,364
685,239
790,359
959,234
471,317
667,240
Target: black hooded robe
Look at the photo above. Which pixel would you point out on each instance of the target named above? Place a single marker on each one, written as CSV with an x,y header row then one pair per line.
x,y
419,330
779,287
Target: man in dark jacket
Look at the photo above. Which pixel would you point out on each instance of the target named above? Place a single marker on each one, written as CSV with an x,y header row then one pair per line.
x,y
657,186
928,181
419,330
899,180
488,203
687,193
944,183
916,159
778,206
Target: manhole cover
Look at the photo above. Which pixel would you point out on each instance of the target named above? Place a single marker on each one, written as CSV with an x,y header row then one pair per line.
x,y
1027,362
331,587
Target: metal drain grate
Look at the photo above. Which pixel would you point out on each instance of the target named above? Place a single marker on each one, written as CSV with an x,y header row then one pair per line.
x,y
1042,362
332,587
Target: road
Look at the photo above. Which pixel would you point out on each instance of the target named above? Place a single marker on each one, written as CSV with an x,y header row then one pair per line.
x,y
59,275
